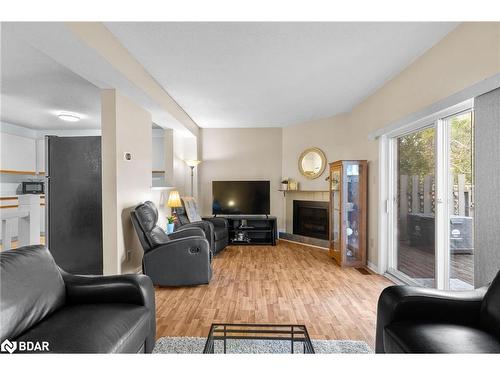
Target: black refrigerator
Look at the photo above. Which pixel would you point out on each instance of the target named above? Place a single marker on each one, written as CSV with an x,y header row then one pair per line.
x,y
74,203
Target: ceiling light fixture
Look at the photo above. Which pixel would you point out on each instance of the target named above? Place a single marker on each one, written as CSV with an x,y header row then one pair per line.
x,y
68,117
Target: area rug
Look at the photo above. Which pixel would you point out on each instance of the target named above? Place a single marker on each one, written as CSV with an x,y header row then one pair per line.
x,y
195,345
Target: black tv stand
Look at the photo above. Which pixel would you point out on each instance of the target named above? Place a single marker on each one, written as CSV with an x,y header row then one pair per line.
x,y
252,230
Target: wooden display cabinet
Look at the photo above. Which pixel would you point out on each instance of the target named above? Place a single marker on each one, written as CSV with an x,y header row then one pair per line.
x,y
348,212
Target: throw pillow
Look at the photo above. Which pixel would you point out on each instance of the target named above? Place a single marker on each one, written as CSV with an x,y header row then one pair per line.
x,y
191,209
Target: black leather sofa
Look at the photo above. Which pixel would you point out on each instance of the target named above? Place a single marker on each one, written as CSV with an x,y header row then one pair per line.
x,y
180,258
216,229
73,314
418,320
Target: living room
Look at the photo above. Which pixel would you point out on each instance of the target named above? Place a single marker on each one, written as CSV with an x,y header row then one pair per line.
x,y
249,187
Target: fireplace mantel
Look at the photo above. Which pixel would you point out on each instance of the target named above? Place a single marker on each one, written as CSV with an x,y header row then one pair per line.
x,y
285,192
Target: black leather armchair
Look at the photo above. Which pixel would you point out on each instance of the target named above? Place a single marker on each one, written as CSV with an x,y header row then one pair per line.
x,y
420,320
216,229
73,314
180,258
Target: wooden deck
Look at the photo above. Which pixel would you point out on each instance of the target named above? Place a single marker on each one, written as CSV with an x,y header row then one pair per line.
x,y
419,263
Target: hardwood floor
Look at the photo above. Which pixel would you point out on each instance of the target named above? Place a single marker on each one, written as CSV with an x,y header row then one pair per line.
x,y
287,283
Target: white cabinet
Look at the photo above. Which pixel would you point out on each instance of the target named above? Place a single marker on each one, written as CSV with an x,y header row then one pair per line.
x,y
18,153
40,155
14,223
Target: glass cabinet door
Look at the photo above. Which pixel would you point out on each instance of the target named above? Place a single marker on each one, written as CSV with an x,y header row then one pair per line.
x,y
336,226
352,213
348,188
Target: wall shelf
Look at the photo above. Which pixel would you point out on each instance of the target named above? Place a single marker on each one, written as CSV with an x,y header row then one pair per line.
x,y
11,171
14,201
14,197
162,187
302,191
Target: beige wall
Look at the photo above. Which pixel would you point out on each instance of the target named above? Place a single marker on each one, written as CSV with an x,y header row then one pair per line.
x,y
467,55
185,148
324,134
241,154
126,127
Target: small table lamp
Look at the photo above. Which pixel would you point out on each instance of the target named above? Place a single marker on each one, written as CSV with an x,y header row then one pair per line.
x,y
174,201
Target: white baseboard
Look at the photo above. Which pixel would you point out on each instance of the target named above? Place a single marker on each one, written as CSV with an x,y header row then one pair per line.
x,y
394,279
372,266
304,244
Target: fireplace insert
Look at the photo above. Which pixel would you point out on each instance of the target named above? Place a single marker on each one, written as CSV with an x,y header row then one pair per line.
x,y
310,219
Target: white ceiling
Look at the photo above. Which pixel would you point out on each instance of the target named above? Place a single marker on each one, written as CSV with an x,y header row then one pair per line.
x,y
274,74
36,88
222,74
52,45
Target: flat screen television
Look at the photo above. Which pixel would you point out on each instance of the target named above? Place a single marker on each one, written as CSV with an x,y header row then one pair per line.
x,y
240,197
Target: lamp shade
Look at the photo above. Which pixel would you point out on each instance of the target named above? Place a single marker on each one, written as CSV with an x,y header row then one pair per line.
x,y
174,200
193,163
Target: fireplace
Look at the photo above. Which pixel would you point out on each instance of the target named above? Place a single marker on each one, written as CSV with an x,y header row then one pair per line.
x,y
310,219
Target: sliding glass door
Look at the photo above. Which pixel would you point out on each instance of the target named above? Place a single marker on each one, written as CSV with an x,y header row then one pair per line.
x,y
415,168
431,202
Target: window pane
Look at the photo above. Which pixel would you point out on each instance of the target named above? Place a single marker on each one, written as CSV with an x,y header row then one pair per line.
x,y
415,217
462,202
336,225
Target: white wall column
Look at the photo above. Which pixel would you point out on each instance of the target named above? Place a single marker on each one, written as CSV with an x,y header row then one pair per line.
x,y
126,178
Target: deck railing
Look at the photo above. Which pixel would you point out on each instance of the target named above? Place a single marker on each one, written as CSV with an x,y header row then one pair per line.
x,y
417,195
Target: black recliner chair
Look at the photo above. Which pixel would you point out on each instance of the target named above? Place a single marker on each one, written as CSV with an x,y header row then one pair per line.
x,y
177,259
39,302
419,320
216,229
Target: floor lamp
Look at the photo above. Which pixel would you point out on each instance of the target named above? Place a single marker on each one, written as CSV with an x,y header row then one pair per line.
x,y
191,164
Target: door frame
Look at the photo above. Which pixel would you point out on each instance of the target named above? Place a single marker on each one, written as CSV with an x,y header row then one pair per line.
x,y
387,223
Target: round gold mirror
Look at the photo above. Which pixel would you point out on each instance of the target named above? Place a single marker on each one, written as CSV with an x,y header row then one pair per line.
x,y
312,163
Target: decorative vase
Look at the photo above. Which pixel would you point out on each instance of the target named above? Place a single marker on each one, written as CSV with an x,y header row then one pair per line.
x,y
293,185
170,228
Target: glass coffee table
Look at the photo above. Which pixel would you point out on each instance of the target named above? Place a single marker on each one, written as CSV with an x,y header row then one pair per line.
x,y
258,338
